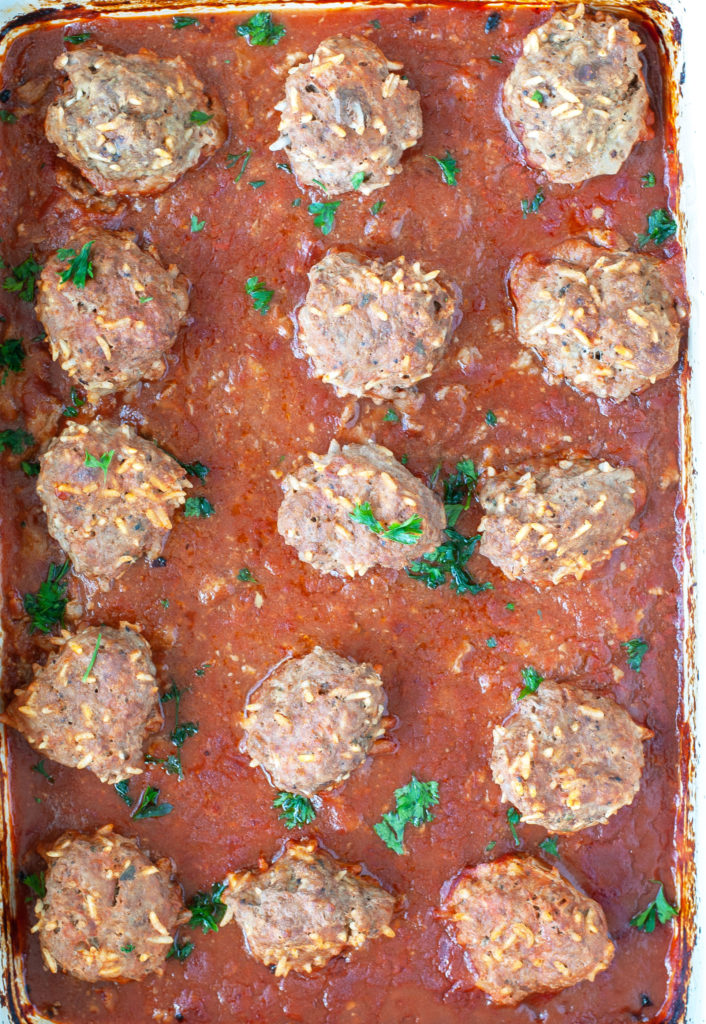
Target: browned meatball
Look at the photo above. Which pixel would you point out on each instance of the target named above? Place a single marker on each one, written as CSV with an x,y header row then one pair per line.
x,y
568,759
525,929
324,503
544,521
116,329
93,703
306,908
372,328
313,720
347,117
576,98
108,495
109,912
604,320
132,123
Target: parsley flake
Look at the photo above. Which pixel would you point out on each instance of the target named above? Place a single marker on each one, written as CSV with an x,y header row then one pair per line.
x,y
23,279
538,97
324,215
80,37
46,608
149,805
260,295
412,803
100,463
196,224
490,418
549,845
234,158
660,226
80,266
357,179
532,679
36,883
377,207
183,21
297,811
76,403
121,788
195,469
245,576
532,205
513,819
198,508
458,490
198,117
636,649
391,417
648,180
8,117
30,468
404,533
15,441
41,770
179,951
207,910
449,168
492,22
495,58
261,30
659,909
92,661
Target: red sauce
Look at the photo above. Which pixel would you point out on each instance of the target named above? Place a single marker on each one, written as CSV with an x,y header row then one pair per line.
x,y
236,398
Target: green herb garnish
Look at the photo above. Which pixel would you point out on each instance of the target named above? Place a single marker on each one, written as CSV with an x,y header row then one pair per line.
x,y
7,117
196,225
30,468
458,490
491,642
376,208
12,356
76,403
449,168
260,295
180,951
80,37
513,819
492,22
149,805
532,679
324,215
660,226
15,441
46,608
261,30
408,532
449,559
199,117
538,97
195,469
549,845
92,660
297,811
357,179
100,463
129,948
412,803
41,770
36,883
648,180
658,910
391,417
183,21
245,576
496,58
207,910
198,508
233,158
80,266
490,418
636,649
23,279
181,731
121,788
532,205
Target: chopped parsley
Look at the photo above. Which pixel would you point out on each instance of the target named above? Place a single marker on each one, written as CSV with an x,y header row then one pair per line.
x,y
532,205
260,295
201,671
513,819
490,418
92,661
46,608
449,559
261,30
195,469
549,845
41,770
198,117
510,606
376,208
660,226
491,642
234,158
80,37
449,168
121,788
659,909
412,803
458,490
285,167
492,22
375,23
180,733
100,463
257,184
198,508
180,951
23,279
297,201
15,441
80,266
315,181
648,180
636,649
149,805
207,910
30,468
391,416
129,948
357,179
245,576
145,298
183,21
491,845
496,58
8,117
36,883
324,215
404,533
297,811
538,97
12,356
196,225
531,679
76,403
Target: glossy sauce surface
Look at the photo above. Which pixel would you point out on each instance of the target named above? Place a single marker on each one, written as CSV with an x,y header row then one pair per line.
x,y
236,398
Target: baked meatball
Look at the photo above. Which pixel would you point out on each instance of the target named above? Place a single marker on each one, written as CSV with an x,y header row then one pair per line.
x,y
93,703
116,329
306,908
132,123
373,328
108,495
365,481
576,97
525,929
604,320
109,912
313,720
544,521
568,759
347,117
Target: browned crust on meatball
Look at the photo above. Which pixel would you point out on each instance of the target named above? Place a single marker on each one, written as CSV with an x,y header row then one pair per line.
x,y
568,759
106,521
603,320
346,112
124,120
93,716
594,105
545,520
525,929
315,515
306,908
313,720
109,912
373,328
117,328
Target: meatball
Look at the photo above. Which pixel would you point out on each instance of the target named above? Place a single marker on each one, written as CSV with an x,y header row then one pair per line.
x,y
93,703
568,759
306,908
116,329
576,97
347,117
132,123
372,328
108,494
604,320
109,912
365,481
313,720
544,521
525,929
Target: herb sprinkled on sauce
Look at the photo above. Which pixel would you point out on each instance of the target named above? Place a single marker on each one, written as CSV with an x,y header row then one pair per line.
x,y
207,909
412,807
198,508
659,909
46,608
23,279
324,215
260,295
449,168
149,805
261,30
296,811
660,226
531,679
15,440
636,649
513,819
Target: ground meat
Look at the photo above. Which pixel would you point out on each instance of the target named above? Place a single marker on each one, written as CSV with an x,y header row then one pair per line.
x,y
544,521
315,515
306,908
109,912
106,519
132,123
371,328
525,929
576,98
313,720
346,113
604,320
93,703
568,759
105,335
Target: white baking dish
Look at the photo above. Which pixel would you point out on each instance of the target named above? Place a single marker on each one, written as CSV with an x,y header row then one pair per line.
x,y
683,25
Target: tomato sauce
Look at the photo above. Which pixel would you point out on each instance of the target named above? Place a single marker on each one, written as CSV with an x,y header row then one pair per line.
x,y
236,398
